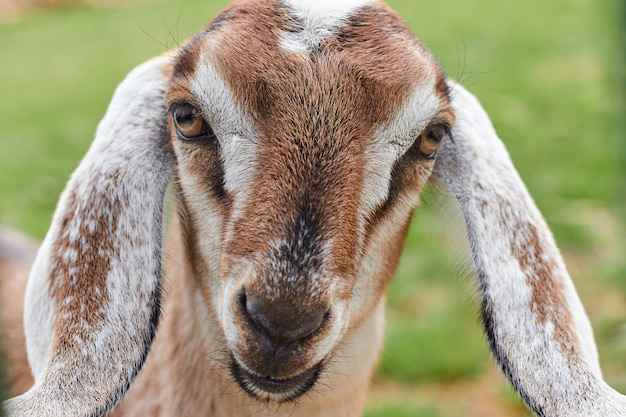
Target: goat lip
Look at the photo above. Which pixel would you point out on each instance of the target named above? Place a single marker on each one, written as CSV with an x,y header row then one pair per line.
x,y
280,390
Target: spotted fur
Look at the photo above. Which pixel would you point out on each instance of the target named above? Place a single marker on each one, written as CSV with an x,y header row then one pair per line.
x,y
533,318
96,280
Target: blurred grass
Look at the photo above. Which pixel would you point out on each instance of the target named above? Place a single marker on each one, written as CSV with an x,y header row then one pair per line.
x,y
547,73
402,409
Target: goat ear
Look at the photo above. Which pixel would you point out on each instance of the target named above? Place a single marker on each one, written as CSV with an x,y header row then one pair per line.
x,y
534,321
93,297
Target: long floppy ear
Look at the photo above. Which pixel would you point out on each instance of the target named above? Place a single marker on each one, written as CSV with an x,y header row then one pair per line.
x,y
93,297
536,325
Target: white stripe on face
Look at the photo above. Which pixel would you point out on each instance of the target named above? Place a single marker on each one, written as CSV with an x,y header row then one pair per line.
x,y
231,124
394,138
316,20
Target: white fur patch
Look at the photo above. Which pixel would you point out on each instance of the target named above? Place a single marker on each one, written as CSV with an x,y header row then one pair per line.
x,y
394,139
316,21
39,322
232,126
203,208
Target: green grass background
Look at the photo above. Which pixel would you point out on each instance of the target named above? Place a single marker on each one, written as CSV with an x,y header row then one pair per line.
x,y
546,71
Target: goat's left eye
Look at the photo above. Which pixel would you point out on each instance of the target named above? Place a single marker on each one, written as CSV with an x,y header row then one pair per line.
x,y
189,123
430,139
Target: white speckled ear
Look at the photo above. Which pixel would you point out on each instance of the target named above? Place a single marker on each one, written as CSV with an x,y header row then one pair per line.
x,y
533,318
92,302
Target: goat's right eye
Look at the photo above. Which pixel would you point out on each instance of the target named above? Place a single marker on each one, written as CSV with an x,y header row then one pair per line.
x,y
189,123
430,139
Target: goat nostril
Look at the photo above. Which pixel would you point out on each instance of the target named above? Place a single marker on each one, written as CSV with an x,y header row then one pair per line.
x,y
280,322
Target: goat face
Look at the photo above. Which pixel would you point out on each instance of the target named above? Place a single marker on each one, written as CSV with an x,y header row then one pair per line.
x,y
302,146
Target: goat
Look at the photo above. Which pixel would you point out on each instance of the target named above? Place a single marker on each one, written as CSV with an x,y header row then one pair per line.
x,y
296,170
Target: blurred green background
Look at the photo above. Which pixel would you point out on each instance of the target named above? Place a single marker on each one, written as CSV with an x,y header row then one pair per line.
x,y
548,75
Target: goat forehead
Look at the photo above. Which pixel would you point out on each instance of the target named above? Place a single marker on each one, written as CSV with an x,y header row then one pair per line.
x,y
316,111
359,60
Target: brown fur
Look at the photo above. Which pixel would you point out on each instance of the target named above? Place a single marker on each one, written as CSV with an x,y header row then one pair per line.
x,y
86,286
548,300
306,152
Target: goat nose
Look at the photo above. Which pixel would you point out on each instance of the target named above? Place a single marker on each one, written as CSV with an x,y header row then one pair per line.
x,y
283,323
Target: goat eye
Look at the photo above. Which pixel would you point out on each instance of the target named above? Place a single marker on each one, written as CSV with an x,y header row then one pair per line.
x,y
430,139
189,123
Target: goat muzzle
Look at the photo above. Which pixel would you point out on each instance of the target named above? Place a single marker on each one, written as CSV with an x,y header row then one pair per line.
x,y
277,359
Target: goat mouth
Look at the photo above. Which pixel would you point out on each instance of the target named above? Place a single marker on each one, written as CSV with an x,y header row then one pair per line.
x,y
279,390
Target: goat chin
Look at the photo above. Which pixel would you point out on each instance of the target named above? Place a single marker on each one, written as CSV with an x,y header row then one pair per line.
x,y
297,136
